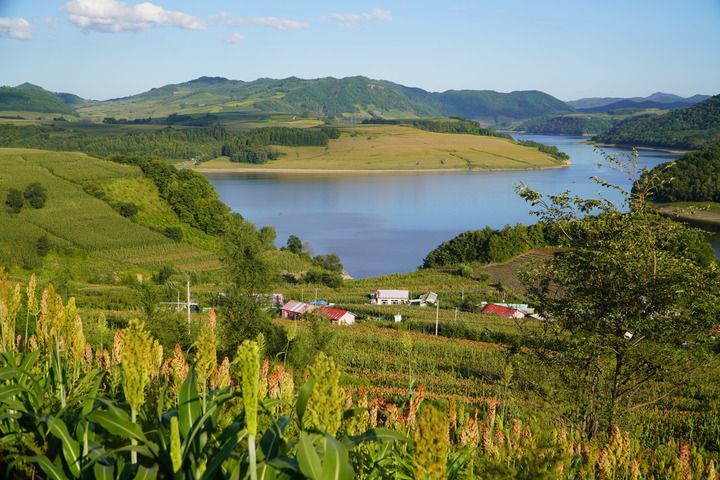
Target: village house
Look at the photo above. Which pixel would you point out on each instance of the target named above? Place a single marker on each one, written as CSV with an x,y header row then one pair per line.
x,y
337,316
390,297
507,312
294,309
429,298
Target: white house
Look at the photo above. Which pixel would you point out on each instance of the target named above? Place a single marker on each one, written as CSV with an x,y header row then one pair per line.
x,y
390,297
337,316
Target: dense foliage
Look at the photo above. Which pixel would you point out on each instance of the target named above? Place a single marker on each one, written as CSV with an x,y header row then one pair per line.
x,y
551,150
688,128
450,125
190,195
250,146
31,98
632,297
490,245
694,177
567,125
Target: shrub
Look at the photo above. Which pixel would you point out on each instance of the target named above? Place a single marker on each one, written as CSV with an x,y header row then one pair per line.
x,y
42,246
128,209
174,233
36,195
14,201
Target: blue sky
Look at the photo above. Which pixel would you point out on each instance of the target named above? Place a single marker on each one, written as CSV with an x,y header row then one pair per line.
x,y
575,48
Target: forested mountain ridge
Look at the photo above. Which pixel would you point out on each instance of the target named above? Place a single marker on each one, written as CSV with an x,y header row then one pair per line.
x,y
687,128
659,98
350,98
31,98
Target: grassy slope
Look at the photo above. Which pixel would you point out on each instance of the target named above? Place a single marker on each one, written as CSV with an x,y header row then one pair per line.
x,y
702,214
390,147
86,230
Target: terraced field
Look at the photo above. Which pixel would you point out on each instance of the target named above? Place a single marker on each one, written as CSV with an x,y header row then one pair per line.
x,y
84,228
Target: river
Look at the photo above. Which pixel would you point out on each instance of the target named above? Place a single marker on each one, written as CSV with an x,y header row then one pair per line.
x,y
380,224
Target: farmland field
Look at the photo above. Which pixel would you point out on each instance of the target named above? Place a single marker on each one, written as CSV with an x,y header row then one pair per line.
x,y
389,147
84,228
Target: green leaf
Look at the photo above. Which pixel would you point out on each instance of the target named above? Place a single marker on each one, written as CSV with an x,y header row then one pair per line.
x,y
189,408
9,391
89,402
266,472
302,399
103,472
70,447
336,464
308,458
380,435
51,470
145,473
273,438
117,425
223,454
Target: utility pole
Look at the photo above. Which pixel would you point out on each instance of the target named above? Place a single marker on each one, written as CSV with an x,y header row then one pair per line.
x,y
188,304
315,295
437,317
456,310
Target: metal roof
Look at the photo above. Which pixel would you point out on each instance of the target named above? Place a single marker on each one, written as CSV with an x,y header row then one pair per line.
x,y
295,306
332,313
387,294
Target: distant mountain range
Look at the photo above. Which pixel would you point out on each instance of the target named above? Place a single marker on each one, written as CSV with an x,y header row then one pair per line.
x,y
687,128
348,98
659,100
351,98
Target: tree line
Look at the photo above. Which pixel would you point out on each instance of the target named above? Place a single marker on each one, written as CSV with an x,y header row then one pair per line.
x,y
695,177
489,245
250,146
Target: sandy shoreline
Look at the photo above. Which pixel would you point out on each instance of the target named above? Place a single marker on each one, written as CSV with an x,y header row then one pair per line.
x,y
366,172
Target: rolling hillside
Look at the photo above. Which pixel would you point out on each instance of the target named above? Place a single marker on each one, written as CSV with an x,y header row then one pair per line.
x,y
351,98
688,128
81,222
31,98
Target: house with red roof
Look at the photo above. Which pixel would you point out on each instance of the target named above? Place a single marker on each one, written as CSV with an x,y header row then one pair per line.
x,y
507,312
337,316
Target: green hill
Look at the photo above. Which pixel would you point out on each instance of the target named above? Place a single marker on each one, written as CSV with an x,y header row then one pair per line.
x,y
695,177
350,98
688,128
488,105
82,221
31,98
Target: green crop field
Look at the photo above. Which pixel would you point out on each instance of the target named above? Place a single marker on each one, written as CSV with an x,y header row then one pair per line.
x,y
391,147
85,229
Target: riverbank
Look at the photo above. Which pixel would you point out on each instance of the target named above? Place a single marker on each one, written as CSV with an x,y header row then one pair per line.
x,y
653,149
317,171
705,215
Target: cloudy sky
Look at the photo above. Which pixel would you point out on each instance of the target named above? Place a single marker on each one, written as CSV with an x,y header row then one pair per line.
x,y
569,48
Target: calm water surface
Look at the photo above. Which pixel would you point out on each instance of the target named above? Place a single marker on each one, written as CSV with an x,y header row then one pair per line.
x,y
382,224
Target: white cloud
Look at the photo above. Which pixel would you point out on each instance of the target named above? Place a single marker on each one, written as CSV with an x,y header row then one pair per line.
x,y
349,17
235,38
272,22
378,14
17,28
116,16
381,15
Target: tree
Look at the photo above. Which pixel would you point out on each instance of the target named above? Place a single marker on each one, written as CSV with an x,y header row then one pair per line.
x,y
14,201
629,301
328,262
267,237
42,246
241,318
242,254
174,233
294,244
36,195
128,209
